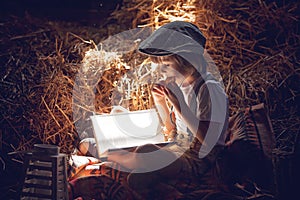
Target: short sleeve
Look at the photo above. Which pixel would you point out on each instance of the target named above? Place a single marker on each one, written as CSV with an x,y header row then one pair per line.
x,y
213,103
204,104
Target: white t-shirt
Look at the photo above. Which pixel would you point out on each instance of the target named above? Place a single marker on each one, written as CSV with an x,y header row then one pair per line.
x,y
210,104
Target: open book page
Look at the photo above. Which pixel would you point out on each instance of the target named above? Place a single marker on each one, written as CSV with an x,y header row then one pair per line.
x,y
113,131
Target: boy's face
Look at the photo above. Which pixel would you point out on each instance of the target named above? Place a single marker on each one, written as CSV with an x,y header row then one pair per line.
x,y
170,69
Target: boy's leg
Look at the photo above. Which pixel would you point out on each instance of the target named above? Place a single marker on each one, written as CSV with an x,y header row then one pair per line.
x,y
152,158
155,165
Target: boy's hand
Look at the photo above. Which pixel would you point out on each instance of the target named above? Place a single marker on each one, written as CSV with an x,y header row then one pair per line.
x,y
174,95
159,89
157,93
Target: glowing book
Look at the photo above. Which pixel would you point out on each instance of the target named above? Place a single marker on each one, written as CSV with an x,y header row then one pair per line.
x,y
126,129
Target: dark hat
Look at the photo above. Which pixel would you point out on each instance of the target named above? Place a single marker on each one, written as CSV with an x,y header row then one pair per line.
x,y
174,38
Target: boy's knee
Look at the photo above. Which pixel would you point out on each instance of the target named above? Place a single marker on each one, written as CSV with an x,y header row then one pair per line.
x,y
146,148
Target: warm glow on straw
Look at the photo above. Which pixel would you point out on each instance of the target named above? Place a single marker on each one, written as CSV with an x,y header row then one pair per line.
x,y
182,10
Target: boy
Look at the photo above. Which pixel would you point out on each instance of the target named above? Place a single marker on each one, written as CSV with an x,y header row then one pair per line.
x,y
198,101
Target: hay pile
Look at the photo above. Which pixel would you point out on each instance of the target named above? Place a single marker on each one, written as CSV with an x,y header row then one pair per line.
x,y
254,44
39,60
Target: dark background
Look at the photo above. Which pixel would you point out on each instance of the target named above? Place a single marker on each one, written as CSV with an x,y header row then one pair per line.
x,y
70,10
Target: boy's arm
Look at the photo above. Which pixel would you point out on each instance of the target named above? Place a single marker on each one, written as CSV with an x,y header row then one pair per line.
x,y
198,127
163,109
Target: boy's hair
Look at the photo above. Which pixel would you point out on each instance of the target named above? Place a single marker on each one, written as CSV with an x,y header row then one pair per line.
x,y
201,67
